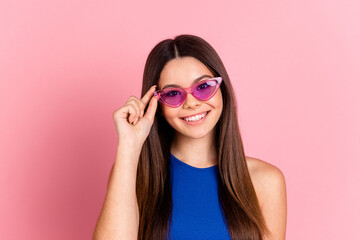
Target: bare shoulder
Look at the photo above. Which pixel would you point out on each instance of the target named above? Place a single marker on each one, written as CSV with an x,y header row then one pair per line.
x,y
270,187
264,175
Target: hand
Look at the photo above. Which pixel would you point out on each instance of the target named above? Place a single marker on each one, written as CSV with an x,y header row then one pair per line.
x,y
132,125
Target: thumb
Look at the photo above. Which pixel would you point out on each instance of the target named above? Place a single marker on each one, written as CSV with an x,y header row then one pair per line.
x,y
151,110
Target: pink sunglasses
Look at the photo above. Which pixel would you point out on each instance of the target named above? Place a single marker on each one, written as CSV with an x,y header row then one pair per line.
x,y
203,91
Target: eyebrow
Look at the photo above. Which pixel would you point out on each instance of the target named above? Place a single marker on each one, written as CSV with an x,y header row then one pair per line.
x,y
195,81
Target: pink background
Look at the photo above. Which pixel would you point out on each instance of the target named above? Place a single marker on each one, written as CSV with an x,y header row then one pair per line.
x,y
65,66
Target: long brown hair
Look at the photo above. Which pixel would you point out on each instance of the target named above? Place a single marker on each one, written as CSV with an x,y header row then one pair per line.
x,y
237,197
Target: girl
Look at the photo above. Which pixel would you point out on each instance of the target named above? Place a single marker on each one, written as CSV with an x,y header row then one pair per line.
x,y
180,170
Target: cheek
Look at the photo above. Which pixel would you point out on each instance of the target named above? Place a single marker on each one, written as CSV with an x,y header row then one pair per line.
x,y
169,112
217,100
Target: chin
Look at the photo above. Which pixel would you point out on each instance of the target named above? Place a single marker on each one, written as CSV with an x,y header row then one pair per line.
x,y
196,133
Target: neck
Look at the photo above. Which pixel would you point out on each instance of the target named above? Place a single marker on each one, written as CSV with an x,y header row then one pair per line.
x,y
197,152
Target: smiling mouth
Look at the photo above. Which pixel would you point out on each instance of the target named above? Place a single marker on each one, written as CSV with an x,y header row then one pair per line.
x,y
196,117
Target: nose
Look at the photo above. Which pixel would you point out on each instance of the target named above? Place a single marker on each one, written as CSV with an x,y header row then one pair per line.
x,y
191,101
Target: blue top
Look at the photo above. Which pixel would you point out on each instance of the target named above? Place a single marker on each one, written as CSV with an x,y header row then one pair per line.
x,y
196,209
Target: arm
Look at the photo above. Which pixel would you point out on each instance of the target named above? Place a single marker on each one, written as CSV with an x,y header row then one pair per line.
x,y
119,217
274,206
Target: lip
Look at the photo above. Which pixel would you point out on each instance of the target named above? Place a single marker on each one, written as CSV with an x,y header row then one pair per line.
x,y
195,114
198,121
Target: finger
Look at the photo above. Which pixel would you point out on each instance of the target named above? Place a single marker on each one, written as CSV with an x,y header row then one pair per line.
x,y
124,111
141,107
146,98
131,111
131,98
132,119
142,113
151,110
136,120
136,104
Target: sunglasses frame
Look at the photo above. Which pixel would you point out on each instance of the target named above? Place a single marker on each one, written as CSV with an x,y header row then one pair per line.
x,y
190,89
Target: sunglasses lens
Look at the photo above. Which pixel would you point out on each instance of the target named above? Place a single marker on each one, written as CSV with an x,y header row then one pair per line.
x,y
206,89
172,96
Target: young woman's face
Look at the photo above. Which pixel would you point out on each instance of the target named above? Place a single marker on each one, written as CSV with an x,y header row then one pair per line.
x,y
182,72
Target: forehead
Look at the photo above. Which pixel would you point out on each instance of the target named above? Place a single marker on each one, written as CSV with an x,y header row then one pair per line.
x,y
182,72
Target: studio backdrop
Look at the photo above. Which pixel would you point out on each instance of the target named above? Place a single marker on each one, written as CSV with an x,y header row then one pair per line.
x,y
66,66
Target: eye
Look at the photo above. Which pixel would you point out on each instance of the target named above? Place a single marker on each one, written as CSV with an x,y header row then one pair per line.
x,y
172,93
202,86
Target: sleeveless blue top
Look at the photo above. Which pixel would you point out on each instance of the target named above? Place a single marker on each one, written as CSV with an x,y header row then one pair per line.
x,y
196,211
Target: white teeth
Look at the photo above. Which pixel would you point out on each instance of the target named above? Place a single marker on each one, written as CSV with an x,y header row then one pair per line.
x,y
195,118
